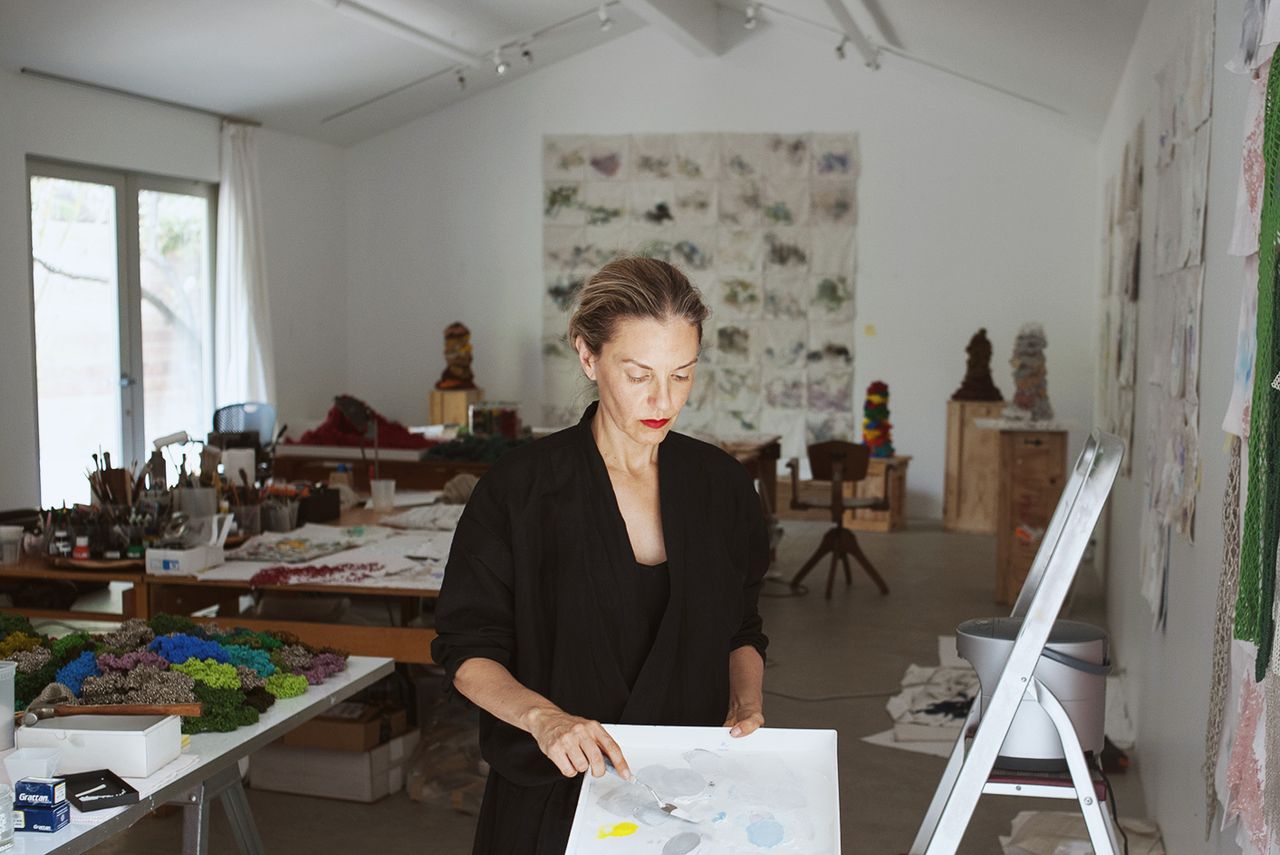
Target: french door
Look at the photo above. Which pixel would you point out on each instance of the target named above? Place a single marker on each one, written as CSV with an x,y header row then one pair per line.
x,y
122,297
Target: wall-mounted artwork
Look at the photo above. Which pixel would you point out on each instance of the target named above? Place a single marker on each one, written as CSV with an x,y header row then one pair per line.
x,y
774,791
1118,344
1182,129
763,224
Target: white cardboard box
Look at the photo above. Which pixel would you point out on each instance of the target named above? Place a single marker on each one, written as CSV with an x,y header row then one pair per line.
x,y
188,562
357,776
132,746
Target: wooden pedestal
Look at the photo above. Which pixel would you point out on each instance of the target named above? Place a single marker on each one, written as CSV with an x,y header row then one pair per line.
x,y
449,406
973,468
1033,470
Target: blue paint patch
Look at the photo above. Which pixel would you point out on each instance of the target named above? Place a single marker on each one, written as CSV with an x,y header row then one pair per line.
x,y
718,817
765,833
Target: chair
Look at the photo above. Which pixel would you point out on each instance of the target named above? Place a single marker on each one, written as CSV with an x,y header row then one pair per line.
x,y
840,463
247,417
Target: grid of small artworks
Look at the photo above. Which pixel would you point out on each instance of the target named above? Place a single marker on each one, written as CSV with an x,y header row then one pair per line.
x,y
763,224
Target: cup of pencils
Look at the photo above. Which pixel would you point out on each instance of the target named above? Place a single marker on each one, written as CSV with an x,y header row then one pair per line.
x,y
248,519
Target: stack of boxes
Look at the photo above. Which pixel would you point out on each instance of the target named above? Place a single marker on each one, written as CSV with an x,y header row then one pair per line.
x,y
40,804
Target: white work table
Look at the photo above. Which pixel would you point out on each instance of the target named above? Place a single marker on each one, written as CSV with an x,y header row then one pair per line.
x,y
207,768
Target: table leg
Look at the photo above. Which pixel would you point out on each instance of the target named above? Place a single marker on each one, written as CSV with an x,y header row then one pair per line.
x,y
224,785
410,608
236,804
135,602
195,823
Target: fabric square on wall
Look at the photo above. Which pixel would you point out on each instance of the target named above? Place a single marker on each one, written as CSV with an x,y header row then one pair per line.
x,y
563,158
608,158
653,156
738,297
782,343
698,156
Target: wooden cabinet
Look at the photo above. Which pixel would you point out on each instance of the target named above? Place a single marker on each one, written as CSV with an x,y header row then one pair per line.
x,y
972,484
874,485
1033,471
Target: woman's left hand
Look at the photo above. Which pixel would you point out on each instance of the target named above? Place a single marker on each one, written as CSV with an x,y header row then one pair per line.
x,y
743,720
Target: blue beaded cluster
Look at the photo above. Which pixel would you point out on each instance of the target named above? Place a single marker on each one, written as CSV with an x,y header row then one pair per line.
x,y
179,647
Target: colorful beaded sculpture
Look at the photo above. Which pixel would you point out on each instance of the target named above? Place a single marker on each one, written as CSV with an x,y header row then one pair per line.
x,y
877,431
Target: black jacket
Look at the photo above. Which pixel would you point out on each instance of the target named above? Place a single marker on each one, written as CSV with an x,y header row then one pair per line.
x,y
533,583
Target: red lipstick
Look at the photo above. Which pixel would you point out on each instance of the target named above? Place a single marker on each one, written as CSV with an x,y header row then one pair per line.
x,y
654,423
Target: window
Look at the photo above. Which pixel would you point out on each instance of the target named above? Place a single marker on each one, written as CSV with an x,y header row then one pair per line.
x,y
122,288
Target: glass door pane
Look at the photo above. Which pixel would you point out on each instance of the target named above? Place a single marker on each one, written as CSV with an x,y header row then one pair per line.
x,y
75,275
173,253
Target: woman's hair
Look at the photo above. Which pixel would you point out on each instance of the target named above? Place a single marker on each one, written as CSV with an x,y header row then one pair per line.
x,y
633,287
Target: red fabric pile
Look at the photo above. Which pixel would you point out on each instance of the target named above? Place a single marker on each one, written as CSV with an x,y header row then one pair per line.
x,y
336,429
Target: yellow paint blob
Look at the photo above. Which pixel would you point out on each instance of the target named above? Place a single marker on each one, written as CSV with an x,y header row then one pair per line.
x,y
622,829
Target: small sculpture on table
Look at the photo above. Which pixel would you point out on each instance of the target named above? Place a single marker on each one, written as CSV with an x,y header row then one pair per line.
x,y
877,432
1031,392
457,354
977,384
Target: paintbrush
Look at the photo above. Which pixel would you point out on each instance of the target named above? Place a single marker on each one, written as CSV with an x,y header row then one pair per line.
x,y
666,807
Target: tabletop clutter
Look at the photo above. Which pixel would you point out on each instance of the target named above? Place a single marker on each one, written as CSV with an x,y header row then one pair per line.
x,y
95,709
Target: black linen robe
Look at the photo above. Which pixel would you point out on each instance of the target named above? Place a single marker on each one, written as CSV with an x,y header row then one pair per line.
x,y
535,582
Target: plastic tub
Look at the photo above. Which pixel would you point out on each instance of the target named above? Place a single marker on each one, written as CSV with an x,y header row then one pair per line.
x,y
10,544
32,763
8,671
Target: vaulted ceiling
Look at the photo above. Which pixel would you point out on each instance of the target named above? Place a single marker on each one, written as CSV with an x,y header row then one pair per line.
x,y
345,70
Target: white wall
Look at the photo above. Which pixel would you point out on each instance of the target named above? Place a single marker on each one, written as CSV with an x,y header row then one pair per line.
x,y
974,210
1170,671
304,223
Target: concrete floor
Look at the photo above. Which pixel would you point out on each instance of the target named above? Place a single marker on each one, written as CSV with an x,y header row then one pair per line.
x,y
856,643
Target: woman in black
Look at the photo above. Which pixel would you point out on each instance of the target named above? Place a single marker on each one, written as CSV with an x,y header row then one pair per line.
x,y
609,572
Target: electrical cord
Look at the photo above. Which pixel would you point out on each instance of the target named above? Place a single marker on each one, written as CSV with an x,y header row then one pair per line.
x,y
778,579
820,698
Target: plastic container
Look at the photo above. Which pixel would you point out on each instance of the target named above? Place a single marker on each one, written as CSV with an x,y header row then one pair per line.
x,y
8,671
248,519
382,495
1032,743
32,763
10,544
6,817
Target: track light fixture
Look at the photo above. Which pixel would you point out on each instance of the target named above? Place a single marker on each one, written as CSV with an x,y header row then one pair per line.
x,y
750,21
840,47
499,64
605,21
526,53
462,80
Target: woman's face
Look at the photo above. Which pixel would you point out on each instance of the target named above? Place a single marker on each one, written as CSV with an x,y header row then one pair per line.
x,y
644,374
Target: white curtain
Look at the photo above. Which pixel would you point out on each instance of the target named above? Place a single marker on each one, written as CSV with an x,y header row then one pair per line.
x,y
242,326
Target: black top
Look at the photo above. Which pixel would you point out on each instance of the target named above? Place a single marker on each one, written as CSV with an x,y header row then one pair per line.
x,y
651,590
542,579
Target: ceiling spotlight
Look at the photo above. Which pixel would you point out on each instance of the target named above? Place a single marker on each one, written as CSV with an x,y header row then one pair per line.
x,y
527,55
840,47
499,64
750,21
462,80
605,21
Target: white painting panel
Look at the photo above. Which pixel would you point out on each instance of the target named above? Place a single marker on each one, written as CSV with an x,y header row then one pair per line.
x,y
775,791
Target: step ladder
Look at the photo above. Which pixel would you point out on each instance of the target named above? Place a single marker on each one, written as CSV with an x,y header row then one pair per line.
x,y
971,771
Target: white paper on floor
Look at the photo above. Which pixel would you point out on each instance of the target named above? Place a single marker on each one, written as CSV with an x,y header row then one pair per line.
x,y
928,713
888,740
1056,833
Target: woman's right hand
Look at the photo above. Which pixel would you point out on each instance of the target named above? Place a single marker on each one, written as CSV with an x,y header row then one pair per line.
x,y
575,744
